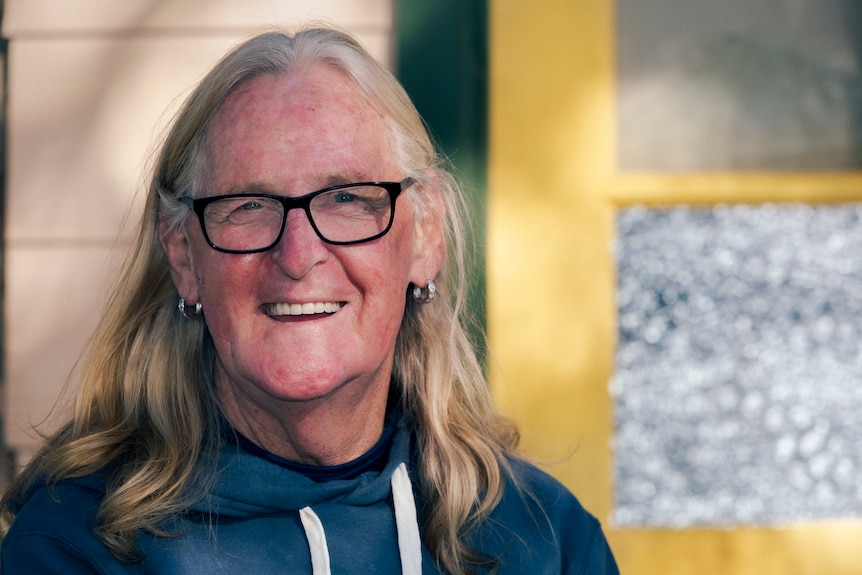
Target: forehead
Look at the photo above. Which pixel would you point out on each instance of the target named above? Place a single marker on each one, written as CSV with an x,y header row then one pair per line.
x,y
302,128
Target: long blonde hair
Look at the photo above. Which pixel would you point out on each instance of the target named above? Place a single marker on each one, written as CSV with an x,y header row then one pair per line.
x,y
145,406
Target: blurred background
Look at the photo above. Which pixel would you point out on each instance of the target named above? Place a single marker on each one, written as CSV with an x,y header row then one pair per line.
x,y
665,194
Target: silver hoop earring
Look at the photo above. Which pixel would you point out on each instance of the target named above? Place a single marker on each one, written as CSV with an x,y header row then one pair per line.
x,y
426,294
194,314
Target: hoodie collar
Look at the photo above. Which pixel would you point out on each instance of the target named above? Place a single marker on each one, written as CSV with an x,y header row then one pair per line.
x,y
247,485
373,460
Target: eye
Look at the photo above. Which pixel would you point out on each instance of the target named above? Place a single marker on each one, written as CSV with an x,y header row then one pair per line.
x,y
251,205
242,210
344,197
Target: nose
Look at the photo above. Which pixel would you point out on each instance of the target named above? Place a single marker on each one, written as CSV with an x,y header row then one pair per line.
x,y
300,248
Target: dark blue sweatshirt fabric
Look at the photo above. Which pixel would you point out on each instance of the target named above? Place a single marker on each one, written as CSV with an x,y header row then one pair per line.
x,y
249,524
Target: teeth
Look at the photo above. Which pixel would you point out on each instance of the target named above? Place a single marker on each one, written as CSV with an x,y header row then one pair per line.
x,y
302,308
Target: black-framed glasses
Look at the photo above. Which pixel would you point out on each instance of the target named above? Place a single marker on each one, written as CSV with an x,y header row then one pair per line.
x,y
341,215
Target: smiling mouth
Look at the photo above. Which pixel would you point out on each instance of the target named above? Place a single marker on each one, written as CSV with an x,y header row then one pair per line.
x,y
294,309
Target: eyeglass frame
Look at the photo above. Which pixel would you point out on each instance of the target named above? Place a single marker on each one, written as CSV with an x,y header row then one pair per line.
x,y
198,205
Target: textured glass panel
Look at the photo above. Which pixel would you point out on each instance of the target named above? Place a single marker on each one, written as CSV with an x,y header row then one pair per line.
x,y
736,84
738,382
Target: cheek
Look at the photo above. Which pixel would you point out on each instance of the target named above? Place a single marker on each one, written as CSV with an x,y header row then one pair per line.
x,y
394,299
395,272
382,276
219,273
225,286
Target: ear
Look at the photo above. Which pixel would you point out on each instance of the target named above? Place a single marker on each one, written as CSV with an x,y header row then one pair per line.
x,y
177,248
429,246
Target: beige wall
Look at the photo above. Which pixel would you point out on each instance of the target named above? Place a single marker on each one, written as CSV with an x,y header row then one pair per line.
x,y
91,85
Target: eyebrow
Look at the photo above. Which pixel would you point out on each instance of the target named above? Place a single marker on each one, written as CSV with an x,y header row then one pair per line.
x,y
249,189
256,188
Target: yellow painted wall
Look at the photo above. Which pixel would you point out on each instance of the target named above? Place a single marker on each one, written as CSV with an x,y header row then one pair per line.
x,y
553,193
550,281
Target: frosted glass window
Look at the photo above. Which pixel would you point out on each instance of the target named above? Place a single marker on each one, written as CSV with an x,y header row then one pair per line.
x,y
738,382
735,84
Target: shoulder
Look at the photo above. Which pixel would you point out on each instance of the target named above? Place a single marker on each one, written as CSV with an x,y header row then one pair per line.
x,y
53,531
533,494
539,526
540,483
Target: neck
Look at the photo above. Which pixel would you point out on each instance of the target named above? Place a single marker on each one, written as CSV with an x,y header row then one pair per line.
x,y
327,431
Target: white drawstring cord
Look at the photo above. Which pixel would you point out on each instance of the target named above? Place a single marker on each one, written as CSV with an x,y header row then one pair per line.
x,y
316,541
409,542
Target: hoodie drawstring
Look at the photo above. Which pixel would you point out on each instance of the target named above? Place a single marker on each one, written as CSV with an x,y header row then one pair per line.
x,y
409,542
316,541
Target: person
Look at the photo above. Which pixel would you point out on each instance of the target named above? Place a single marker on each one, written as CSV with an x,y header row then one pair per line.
x,y
282,380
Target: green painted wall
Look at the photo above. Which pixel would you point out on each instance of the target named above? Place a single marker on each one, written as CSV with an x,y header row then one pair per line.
x,y
441,59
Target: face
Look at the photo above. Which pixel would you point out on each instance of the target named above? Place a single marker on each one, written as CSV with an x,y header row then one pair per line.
x,y
291,135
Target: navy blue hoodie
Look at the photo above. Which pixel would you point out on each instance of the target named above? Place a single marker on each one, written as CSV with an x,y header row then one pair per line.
x,y
261,517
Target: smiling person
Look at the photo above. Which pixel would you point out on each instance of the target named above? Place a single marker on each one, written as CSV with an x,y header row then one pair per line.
x,y
274,386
